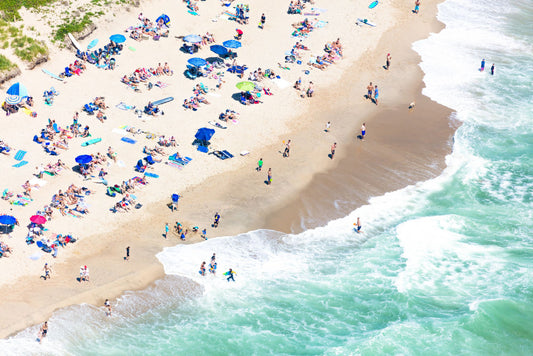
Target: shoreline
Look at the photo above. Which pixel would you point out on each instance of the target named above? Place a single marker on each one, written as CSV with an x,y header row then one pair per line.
x,y
242,213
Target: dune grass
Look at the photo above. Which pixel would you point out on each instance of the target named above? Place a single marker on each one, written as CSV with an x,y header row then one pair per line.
x,y
6,64
74,25
10,8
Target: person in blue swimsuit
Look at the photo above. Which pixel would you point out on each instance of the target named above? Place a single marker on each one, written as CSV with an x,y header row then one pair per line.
x,y
376,94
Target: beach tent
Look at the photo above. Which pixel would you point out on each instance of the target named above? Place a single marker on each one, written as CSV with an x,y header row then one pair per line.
x,y
16,93
7,220
165,18
231,44
204,134
197,62
218,49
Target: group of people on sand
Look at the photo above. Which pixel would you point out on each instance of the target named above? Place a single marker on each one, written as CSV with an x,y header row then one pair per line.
x,y
212,267
73,68
147,29
296,7
143,75
372,93
14,108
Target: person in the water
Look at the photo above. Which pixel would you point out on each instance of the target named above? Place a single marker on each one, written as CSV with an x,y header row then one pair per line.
x,y
230,274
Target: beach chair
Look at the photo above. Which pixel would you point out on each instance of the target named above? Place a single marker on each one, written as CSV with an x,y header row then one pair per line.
x,y
149,159
140,167
68,73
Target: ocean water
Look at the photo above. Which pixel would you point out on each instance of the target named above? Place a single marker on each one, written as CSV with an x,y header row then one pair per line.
x,y
444,267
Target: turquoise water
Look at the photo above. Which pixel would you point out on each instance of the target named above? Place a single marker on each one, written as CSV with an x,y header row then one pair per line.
x,y
443,267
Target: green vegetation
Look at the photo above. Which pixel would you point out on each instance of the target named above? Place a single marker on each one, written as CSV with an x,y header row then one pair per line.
x,y
27,48
75,25
9,8
5,64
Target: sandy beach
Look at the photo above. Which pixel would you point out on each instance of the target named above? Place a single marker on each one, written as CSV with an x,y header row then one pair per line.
x,y
402,146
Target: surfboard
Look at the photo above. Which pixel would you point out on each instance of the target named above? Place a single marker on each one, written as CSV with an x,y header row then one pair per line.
x,y
373,5
153,175
91,142
128,140
74,42
365,22
163,101
52,74
216,124
92,44
193,12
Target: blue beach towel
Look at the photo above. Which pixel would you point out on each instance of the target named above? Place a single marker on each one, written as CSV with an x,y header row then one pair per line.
x,y
20,164
20,155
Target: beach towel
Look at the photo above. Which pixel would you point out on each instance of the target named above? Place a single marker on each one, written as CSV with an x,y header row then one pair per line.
x,y
20,164
174,164
124,106
20,155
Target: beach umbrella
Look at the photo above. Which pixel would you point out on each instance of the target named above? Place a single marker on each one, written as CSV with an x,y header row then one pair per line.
x,y
204,134
18,90
38,219
245,86
192,38
196,61
7,220
218,49
165,18
118,38
83,159
231,44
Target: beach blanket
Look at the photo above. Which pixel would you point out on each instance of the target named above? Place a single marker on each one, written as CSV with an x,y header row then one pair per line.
x,y
174,164
20,155
124,106
161,85
20,164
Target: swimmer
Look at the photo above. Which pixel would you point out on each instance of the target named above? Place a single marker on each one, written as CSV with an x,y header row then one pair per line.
x,y
230,274
357,225
202,269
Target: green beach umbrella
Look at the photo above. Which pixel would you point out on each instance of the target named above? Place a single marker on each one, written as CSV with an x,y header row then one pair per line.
x,y
245,86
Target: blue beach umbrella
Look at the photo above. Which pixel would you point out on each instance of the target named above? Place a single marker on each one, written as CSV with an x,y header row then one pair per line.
x,y
84,159
196,61
7,220
192,38
18,90
204,134
218,49
231,44
118,38
165,18
13,99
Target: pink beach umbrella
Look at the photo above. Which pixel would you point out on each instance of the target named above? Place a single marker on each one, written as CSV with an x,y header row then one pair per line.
x,y
38,219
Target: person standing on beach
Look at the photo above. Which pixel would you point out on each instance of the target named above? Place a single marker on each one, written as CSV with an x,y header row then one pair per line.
x,y
42,332
127,253
166,230
333,148
204,234
217,220
417,6
369,90
259,165
482,65
47,271
263,20
269,176
492,69
86,274
376,94
389,58
286,153
328,126
107,305
363,131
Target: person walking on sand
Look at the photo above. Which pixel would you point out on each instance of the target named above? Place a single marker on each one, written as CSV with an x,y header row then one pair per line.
x,y
363,131
47,271
269,176
369,90
42,332
333,148
417,6
328,126
263,20
203,235
492,69
166,230
127,253
389,58
376,94
107,305
287,150
259,165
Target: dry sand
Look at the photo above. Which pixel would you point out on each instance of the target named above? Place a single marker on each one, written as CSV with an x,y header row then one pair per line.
x,y
402,147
